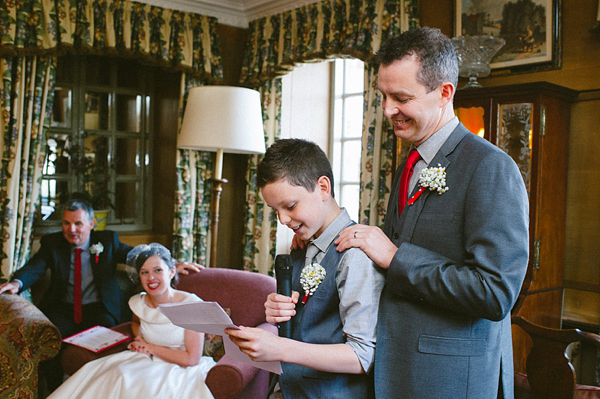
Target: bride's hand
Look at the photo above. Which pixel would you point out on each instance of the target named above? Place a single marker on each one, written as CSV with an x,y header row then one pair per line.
x,y
139,345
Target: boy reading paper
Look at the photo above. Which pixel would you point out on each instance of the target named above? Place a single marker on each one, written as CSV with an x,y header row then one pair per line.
x,y
335,295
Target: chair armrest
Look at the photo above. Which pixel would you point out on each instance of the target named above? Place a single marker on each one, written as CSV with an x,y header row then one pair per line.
x,y
27,333
28,337
74,357
229,377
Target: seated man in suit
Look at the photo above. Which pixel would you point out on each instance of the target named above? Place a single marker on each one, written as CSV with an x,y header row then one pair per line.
x,y
84,289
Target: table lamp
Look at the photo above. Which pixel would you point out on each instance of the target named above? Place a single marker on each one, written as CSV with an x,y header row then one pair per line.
x,y
222,119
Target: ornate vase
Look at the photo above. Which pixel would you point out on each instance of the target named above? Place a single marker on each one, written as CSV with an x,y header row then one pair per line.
x,y
474,55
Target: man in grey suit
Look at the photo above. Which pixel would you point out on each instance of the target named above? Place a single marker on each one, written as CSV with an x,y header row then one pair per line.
x,y
456,254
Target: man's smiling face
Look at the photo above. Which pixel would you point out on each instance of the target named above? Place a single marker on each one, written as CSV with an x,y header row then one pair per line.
x,y
415,112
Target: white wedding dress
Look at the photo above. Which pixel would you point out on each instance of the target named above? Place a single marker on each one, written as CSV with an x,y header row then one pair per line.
x,y
135,375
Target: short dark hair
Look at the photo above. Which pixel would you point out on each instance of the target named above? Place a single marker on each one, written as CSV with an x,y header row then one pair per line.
x,y
77,204
433,49
299,162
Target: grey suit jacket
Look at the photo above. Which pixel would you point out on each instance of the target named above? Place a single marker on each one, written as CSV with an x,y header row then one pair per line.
x,y
444,315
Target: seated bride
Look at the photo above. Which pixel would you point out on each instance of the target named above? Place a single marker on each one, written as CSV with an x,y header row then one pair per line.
x,y
164,360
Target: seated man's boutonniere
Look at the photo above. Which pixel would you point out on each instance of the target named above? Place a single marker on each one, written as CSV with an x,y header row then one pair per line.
x,y
96,249
433,178
310,278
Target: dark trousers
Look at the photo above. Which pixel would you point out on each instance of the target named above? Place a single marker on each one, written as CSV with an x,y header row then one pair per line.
x,y
62,316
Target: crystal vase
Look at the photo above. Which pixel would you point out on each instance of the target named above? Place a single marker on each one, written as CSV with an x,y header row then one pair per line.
x,y
474,56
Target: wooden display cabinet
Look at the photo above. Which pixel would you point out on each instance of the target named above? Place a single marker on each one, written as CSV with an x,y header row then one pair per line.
x,y
531,123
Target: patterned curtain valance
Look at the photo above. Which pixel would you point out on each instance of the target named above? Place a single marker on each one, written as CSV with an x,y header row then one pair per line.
x,y
171,38
322,30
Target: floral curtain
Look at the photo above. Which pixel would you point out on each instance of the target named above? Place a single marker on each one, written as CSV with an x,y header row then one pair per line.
x,y
33,29
26,101
168,37
318,31
259,220
191,223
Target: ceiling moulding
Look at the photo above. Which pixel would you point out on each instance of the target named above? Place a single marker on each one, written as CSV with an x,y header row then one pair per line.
x,y
228,12
232,12
256,9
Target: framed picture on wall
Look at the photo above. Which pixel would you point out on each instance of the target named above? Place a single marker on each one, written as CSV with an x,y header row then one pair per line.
x,y
531,29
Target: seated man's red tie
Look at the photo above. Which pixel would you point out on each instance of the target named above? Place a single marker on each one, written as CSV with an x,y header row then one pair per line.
x,y
77,312
409,167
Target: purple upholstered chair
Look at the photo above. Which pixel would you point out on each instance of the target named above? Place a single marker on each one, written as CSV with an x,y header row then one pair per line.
x,y
243,294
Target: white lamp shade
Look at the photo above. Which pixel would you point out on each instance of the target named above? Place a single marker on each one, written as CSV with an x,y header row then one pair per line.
x,y
223,117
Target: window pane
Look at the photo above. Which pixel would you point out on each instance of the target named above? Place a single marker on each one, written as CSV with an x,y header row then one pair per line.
x,y
95,170
61,108
97,111
147,110
126,201
57,156
127,156
353,117
351,154
355,76
350,200
338,114
129,108
54,194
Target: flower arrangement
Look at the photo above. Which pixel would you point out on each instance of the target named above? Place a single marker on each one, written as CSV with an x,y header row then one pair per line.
x,y
434,179
310,278
96,249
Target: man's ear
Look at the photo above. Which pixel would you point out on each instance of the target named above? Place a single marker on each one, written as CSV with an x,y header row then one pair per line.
x,y
447,91
324,187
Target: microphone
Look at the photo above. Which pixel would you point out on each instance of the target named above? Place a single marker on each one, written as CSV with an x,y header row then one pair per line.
x,y
283,274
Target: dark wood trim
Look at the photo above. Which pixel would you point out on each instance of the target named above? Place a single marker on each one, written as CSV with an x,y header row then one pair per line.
x,y
578,285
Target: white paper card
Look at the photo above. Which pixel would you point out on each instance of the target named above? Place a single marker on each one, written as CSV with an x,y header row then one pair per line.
x,y
209,317
97,338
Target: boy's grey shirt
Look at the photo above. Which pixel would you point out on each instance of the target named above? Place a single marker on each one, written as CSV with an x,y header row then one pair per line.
x,y
359,283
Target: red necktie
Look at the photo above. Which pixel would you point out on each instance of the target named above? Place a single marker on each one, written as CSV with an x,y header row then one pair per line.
x,y
77,287
409,167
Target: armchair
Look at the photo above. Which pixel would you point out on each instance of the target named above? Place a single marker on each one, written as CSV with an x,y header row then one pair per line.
x,y
550,373
28,337
244,294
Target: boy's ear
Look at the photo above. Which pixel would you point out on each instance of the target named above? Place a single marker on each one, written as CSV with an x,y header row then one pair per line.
x,y
324,187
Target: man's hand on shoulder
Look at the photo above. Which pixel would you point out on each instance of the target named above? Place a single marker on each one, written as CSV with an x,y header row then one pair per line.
x,y
371,239
187,267
11,287
297,242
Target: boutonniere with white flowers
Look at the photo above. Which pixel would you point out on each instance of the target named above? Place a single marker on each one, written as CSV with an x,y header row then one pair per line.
x,y
96,249
310,278
434,179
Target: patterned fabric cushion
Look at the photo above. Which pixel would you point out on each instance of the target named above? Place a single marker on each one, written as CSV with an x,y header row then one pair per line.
x,y
28,337
213,344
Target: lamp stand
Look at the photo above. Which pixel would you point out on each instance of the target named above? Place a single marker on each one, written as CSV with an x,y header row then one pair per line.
x,y
214,226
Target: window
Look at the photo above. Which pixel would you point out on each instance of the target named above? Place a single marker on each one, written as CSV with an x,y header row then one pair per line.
x,y
323,102
346,132
100,140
